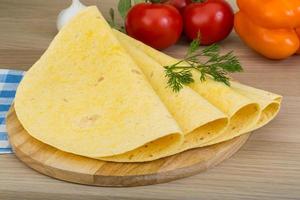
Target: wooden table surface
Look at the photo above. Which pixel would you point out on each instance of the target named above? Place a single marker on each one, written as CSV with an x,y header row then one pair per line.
x,y
267,167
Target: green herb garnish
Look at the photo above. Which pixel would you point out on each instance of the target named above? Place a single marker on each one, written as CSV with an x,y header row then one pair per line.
x,y
123,8
208,62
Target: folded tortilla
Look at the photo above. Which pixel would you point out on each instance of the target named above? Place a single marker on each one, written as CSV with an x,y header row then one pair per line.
x,y
269,102
247,108
86,96
199,120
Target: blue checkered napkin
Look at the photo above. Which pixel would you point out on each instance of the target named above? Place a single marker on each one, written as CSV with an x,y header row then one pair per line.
x,y
9,81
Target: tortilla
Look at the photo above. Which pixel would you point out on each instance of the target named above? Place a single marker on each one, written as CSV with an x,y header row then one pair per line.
x,y
247,108
199,120
86,96
269,102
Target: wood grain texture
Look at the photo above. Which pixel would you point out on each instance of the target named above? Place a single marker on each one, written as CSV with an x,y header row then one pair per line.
x,y
266,167
73,168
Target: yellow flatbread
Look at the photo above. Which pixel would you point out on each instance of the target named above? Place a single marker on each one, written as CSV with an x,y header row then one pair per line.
x,y
199,120
86,96
247,108
269,102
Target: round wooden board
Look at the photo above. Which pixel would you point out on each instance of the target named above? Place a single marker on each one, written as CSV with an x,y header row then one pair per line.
x,y
73,168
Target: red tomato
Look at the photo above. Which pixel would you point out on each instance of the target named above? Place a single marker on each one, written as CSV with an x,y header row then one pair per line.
x,y
179,4
213,18
158,25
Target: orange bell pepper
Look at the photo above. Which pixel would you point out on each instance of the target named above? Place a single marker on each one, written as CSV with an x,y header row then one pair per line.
x,y
272,28
298,32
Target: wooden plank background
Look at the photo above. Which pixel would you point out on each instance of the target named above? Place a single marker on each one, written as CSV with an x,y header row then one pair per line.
x,y
267,167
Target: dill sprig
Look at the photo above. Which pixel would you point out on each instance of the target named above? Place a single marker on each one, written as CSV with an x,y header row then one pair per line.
x,y
208,62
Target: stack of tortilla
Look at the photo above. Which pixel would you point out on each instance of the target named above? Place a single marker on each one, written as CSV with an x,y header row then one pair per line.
x,y
98,93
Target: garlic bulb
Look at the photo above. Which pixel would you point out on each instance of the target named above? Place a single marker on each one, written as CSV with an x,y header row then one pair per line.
x,y
66,14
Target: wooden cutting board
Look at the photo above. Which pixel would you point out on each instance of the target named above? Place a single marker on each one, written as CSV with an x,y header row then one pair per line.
x,y
73,168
